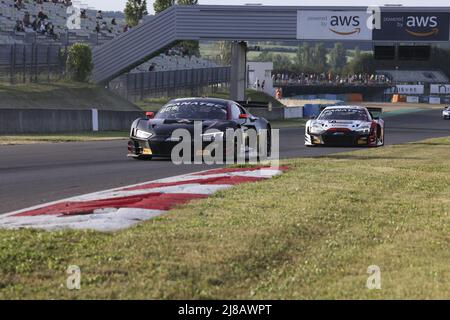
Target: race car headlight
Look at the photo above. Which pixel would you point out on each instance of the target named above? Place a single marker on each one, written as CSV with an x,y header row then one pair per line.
x,y
142,134
316,128
365,130
213,136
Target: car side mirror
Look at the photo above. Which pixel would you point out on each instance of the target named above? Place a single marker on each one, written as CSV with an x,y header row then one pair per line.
x,y
150,115
312,117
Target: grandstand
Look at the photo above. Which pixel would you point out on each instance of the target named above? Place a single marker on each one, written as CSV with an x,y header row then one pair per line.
x,y
170,62
24,23
15,27
415,76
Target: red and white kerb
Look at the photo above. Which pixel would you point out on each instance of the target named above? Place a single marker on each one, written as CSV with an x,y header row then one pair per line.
x,y
123,207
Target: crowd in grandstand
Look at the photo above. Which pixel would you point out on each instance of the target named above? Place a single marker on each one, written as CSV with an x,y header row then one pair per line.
x,y
330,78
49,19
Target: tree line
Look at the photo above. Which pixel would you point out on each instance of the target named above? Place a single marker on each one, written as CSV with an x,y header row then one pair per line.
x,y
319,59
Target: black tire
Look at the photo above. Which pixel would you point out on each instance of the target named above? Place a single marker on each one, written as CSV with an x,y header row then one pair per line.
x,y
268,145
143,158
269,141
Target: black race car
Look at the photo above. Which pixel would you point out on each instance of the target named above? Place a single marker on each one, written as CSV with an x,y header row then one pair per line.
x,y
152,136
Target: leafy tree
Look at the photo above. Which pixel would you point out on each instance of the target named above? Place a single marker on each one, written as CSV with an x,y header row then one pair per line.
x,y
362,63
282,63
338,57
357,53
79,62
319,58
304,57
192,47
224,49
161,5
187,2
135,10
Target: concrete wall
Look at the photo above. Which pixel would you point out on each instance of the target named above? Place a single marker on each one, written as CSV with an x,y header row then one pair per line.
x,y
117,120
16,121
293,112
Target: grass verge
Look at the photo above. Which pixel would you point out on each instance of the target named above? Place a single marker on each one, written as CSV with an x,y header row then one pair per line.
x,y
61,95
62,137
310,233
154,104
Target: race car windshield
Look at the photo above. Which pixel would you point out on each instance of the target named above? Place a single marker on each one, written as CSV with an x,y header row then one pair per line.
x,y
344,114
193,110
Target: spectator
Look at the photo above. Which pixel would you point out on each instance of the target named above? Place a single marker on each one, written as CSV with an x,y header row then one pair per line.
x,y
104,26
51,32
18,4
113,22
99,15
42,16
19,26
27,20
34,24
43,27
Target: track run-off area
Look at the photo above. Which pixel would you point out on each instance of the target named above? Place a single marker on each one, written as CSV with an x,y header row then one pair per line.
x,y
39,173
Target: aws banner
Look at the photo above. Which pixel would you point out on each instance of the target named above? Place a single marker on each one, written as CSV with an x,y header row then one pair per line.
x,y
413,26
440,89
333,25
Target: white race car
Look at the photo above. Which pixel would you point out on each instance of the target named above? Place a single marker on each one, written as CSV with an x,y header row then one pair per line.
x,y
446,113
346,126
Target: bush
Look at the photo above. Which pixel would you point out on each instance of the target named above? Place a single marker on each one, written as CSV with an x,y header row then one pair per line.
x,y
79,62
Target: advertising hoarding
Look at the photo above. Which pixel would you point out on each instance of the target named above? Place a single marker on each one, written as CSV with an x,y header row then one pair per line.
x,y
332,25
440,89
406,89
413,26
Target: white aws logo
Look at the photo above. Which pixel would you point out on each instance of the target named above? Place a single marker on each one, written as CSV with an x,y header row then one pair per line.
x,y
422,22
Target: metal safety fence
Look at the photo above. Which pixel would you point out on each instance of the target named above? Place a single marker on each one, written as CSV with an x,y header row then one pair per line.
x,y
137,86
21,63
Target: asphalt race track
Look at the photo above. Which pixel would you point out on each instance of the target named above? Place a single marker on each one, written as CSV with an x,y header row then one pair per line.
x,y
33,174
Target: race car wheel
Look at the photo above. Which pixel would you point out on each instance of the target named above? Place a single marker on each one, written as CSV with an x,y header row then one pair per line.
x,y
380,136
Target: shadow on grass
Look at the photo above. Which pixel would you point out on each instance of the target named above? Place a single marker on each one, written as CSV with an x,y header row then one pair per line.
x,y
430,143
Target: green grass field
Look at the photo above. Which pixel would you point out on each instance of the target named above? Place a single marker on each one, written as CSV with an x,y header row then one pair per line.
x,y
310,233
154,104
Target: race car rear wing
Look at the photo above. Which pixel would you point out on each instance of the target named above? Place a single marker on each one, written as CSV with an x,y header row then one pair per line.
x,y
374,112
